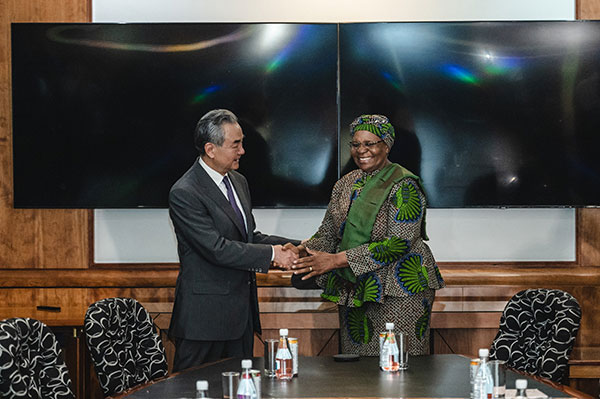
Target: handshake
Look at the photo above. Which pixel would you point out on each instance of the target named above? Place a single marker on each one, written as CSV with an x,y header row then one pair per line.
x,y
285,255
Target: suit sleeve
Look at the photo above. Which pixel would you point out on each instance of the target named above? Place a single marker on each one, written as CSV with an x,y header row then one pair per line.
x,y
196,230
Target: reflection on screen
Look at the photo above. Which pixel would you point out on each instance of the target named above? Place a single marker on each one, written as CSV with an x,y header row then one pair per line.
x,y
487,113
104,114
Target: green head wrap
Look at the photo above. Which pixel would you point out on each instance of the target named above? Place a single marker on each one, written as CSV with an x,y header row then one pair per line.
x,y
379,125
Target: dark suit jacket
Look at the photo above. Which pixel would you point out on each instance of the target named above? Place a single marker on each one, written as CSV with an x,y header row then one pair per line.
x,y
216,286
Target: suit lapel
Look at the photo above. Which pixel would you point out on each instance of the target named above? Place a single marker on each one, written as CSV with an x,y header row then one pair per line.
x,y
210,189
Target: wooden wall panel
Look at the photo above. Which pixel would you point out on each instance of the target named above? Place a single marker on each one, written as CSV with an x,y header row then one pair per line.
x,y
72,302
588,9
35,238
589,300
94,277
144,295
48,10
588,235
462,341
60,227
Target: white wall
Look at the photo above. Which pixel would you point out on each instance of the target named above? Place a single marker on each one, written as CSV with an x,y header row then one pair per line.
x,y
328,10
456,234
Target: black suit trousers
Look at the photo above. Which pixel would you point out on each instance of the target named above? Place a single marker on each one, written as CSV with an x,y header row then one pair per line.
x,y
190,353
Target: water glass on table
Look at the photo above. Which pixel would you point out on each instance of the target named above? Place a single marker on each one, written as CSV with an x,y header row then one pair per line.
x,y
270,352
230,380
498,371
402,350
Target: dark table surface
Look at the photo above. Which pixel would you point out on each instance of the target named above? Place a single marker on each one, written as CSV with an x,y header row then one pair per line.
x,y
433,376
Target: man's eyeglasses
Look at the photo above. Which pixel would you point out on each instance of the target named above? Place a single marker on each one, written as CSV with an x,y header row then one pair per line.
x,y
355,145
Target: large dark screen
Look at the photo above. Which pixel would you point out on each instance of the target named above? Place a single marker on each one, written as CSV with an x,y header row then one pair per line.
x,y
103,114
488,113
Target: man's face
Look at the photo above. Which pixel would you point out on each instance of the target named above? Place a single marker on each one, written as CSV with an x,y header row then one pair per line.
x,y
227,157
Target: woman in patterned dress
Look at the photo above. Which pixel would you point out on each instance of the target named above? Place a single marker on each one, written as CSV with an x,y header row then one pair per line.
x,y
369,254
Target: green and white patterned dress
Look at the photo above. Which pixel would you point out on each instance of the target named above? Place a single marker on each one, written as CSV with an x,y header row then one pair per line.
x,y
396,273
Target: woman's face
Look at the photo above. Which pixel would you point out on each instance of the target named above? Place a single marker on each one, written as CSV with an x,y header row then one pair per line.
x,y
371,153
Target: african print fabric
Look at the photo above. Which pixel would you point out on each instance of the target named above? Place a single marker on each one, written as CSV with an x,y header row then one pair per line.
x,y
360,327
395,264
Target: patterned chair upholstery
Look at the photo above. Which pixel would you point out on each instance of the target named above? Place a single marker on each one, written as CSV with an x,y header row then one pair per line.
x,y
31,365
537,333
124,346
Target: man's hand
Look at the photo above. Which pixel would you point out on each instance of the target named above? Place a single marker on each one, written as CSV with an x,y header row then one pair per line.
x,y
300,250
284,256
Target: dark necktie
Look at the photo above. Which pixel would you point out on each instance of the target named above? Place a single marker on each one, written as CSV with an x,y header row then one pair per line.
x,y
234,205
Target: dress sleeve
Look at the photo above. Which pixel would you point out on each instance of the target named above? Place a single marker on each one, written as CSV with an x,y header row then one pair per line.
x,y
398,225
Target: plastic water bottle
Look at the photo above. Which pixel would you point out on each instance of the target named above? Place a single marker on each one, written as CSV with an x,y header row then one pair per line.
x,y
246,389
521,386
484,383
283,358
388,358
201,389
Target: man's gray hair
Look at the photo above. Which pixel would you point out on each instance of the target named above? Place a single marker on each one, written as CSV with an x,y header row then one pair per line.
x,y
209,128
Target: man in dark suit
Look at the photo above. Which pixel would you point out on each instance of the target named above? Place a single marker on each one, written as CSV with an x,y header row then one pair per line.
x,y
215,313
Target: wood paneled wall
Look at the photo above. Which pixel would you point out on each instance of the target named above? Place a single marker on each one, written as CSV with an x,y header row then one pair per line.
x,y
46,254
588,9
35,238
47,239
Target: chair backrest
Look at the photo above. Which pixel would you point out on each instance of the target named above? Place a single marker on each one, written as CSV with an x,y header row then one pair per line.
x,y
537,333
124,346
31,365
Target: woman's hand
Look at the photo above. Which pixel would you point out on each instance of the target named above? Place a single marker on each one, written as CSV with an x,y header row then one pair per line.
x,y
318,263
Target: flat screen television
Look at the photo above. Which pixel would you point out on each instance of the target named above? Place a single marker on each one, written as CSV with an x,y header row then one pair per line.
x,y
104,114
489,114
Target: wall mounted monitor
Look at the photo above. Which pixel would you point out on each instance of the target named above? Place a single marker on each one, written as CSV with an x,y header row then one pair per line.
x,y
489,114
104,114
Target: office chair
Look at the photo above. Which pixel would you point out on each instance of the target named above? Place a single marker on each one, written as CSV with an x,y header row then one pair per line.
x,y
31,365
124,346
537,333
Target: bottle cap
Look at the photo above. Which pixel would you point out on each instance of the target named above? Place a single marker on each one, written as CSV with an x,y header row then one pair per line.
x,y
201,385
389,326
484,352
247,363
521,384
283,331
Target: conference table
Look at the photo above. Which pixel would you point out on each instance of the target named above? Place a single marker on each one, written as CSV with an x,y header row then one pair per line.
x,y
431,376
